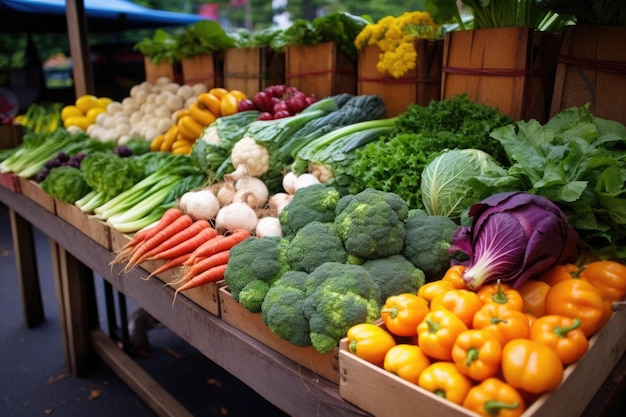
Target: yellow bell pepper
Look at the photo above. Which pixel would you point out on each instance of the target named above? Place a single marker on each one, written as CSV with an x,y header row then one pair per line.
x,y
497,292
445,380
403,312
463,303
494,397
437,333
189,128
407,361
202,115
477,354
370,342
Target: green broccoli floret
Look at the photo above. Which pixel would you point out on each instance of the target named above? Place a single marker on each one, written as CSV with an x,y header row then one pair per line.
x,y
283,308
371,223
313,203
394,275
427,241
253,260
315,244
345,296
65,183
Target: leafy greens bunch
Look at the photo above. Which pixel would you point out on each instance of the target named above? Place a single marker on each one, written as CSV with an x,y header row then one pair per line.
x,y
339,27
395,162
577,161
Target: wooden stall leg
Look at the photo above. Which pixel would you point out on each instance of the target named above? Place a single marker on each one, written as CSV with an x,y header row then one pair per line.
x,y
80,311
58,288
26,265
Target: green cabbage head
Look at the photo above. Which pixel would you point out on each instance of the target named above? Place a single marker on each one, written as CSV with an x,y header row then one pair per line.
x,y
445,181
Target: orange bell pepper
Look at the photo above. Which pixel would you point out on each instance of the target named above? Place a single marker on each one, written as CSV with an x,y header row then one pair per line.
x,y
494,397
477,354
497,292
563,335
229,104
463,303
403,312
531,366
445,380
454,274
503,322
406,361
432,289
370,342
437,333
558,273
607,276
578,298
533,293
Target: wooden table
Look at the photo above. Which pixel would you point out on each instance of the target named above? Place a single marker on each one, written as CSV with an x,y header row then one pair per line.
x,y
290,387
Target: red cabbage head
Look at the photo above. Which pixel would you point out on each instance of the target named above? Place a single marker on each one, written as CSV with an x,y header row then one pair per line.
x,y
513,237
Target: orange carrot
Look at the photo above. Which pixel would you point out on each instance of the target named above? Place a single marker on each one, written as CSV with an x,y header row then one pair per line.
x,y
142,235
176,226
190,271
210,275
187,243
172,263
184,235
216,245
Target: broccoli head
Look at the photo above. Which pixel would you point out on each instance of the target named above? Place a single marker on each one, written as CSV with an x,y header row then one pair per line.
x,y
394,275
255,259
345,296
371,223
283,308
315,244
427,241
313,203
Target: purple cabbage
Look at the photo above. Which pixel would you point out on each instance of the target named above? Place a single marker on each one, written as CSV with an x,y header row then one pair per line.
x,y
514,236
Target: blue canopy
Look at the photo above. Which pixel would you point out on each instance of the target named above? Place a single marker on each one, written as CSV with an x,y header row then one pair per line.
x,y
102,16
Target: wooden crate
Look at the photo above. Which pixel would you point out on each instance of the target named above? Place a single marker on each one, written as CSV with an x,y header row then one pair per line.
x,y
200,69
33,190
591,68
511,69
418,86
206,296
233,313
323,69
165,68
10,136
94,228
382,393
253,69
10,181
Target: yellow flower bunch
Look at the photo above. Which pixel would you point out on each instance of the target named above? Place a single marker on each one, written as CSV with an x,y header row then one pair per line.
x,y
395,37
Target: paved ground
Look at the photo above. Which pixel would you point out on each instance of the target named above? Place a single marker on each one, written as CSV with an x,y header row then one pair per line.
x,y
34,379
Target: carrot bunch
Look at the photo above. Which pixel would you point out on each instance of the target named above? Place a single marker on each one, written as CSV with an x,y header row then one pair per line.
x,y
194,246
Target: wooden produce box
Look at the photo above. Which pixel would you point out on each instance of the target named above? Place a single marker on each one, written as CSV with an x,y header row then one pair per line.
x,y
418,86
206,296
233,313
382,393
10,136
591,68
201,69
253,69
323,69
10,181
96,229
33,190
165,68
511,69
